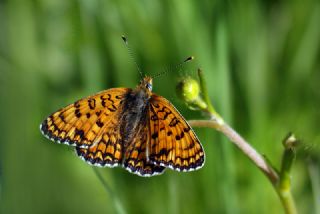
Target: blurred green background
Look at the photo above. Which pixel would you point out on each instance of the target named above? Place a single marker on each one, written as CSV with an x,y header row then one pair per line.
x,y
260,58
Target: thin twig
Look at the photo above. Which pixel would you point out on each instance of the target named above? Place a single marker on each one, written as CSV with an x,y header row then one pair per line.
x,y
243,145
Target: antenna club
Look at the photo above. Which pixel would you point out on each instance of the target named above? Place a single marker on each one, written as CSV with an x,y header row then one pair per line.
x,y
190,58
124,38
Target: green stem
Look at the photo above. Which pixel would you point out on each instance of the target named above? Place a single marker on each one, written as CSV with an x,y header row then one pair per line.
x,y
287,201
118,205
283,187
210,109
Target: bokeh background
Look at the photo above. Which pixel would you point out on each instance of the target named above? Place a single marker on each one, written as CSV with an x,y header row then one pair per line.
x,y
260,58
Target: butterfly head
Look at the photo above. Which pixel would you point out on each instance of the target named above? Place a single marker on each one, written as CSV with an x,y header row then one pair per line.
x,y
146,84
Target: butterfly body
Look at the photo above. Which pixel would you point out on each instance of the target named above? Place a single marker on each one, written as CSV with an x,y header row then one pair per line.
x,y
132,128
135,110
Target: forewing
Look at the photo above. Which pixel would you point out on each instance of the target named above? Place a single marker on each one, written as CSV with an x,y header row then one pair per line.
x,y
173,143
136,154
83,123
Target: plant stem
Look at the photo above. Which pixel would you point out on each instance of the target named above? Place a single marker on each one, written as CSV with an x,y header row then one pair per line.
x,y
243,145
283,187
205,95
280,180
118,205
287,201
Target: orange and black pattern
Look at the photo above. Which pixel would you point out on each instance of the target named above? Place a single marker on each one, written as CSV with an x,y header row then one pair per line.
x,y
132,128
82,123
105,152
173,143
136,158
90,125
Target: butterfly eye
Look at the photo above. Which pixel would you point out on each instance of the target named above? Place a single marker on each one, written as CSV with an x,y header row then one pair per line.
x,y
149,86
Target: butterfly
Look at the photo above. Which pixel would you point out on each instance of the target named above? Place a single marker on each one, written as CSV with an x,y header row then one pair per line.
x,y
133,128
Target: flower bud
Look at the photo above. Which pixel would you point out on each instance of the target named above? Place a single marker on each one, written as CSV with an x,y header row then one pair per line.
x,y
188,90
290,141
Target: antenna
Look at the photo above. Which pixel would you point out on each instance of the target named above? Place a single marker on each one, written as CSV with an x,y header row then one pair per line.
x,y
131,54
190,58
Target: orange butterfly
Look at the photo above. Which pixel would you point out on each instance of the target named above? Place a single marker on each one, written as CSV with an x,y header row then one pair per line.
x,y
132,128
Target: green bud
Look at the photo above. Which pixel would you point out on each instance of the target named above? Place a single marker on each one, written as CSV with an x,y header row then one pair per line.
x,y
188,90
290,141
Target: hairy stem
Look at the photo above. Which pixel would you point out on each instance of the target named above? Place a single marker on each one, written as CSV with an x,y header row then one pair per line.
x,y
243,145
281,182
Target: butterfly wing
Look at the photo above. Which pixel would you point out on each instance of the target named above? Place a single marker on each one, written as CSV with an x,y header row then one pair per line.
x,y
136,154
173,143
105,152
83,123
